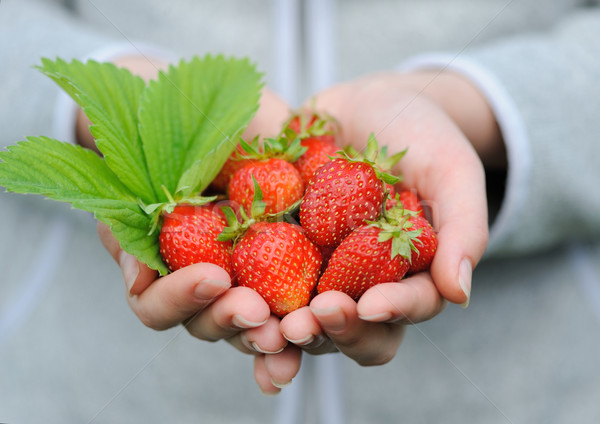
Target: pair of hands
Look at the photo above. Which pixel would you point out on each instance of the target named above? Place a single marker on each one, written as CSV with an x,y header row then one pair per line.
x,y
450,133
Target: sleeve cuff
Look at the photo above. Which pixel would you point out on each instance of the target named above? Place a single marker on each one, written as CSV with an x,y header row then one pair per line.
x,y
513,131
65,110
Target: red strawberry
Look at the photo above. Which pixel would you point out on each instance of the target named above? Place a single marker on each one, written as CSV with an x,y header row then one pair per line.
x,y
424,245
279,262
304,124
233,163
189,235
362,261
300,123
341,196
317,153
408,198
279,180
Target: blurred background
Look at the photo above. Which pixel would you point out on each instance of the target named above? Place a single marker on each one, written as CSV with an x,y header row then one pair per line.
x,y
71,351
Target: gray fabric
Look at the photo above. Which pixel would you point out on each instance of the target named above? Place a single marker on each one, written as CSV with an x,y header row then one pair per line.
x,y
525,350
553,79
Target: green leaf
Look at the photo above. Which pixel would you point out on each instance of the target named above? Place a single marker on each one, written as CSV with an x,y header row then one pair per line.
x,y
75,175
110,98
191,118
58,170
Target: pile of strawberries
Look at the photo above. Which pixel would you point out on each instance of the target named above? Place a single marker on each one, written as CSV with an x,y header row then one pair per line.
x,y
296,215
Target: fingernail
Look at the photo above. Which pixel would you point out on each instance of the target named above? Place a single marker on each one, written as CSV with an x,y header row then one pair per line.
x,y
281,385
257,348
209,289
384,316
130,269
241,322
465,273
301,342
332,318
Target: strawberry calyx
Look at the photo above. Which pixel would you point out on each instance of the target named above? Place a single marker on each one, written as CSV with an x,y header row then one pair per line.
x,y
239,223
278,147
156,210
377,157
395,225
304,123
236,227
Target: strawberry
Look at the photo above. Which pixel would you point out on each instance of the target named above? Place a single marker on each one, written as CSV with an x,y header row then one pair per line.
x,y
235,161
189,235
342,195
408,198
306,123
279,180
362,261
278,261
317,153
424,245
300,123
400,242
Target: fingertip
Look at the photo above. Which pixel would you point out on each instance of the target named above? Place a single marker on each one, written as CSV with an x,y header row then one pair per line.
x,y
145,277
453,286
330,299
207,271
262,377
284,366
243,309
299,327
334,311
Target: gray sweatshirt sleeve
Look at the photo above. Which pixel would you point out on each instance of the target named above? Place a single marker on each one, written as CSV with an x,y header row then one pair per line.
x,y
29,30
544,89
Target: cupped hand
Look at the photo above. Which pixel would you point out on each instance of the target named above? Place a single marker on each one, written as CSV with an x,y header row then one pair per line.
x,y
442,162
200,296
449,131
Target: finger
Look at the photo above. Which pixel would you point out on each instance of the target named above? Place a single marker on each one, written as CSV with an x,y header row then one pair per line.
x,y
368,343
444,168
263,378
137,276
265,339
171,299
269,118
284,366
107,239
412,300
238,309
301,328
454,188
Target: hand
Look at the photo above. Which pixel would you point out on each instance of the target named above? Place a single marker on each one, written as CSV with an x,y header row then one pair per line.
x,y
200,296
448,129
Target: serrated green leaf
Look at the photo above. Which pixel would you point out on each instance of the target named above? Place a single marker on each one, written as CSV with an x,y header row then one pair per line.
x,y
78,176
58,170
191,118
129,224
110,98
